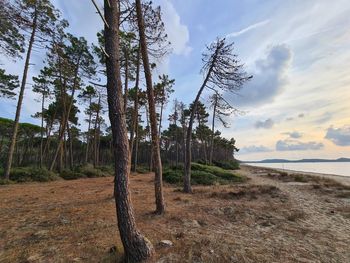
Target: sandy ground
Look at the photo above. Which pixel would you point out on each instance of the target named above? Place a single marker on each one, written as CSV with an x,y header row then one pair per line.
x,y
262,220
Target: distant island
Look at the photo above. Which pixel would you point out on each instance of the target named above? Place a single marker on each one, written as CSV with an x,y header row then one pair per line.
x,y
299,161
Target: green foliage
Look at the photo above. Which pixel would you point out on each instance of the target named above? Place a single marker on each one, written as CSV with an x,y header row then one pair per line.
x,y
201,174
227,165
8,83
31,174
71,175
90,171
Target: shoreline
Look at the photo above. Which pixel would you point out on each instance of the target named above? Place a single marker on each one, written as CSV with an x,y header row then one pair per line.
x,y
340,178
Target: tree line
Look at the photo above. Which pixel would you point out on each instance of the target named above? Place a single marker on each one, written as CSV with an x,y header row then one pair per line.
x,y
73,78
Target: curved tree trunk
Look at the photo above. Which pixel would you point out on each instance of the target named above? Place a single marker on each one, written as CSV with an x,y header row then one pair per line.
x,y
212,132
20,100
158,182
137,248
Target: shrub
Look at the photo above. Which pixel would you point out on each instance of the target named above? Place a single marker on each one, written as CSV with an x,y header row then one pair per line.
x,y
89,171
201,174
71,175
5,181
30,174
227,165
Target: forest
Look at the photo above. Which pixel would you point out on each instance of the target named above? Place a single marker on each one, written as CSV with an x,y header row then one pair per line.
x,y
158,149
114,76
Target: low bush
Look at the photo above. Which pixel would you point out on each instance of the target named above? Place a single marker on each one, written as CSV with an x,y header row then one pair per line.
x,y
31,174
71,175
201,174
227,165
91,172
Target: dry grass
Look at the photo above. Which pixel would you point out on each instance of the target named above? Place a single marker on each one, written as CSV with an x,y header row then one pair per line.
x,y
74,221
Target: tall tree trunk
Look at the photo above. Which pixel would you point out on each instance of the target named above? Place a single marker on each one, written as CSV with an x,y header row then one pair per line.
x,y
136,247
126,80
42,130
20,99
96,135
212,131
158,182
187,172
88,133
136,103
66,119
136,146
71,157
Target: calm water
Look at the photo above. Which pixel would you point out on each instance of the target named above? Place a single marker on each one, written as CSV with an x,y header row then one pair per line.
x,y
325,168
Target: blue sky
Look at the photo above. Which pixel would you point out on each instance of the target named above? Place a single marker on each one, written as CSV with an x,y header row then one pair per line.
x,y
296,106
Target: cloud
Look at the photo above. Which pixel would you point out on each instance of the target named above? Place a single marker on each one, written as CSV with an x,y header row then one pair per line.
x,y
178,33
294,145
294,134
268,80
339,136
327,116
267,124
254,149
248,28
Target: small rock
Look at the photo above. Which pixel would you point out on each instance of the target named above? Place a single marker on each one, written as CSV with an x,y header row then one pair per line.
x,y
33,258
166,243
211,251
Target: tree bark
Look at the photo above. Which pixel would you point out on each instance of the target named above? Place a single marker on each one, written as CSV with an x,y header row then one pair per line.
x,y
187,170
42,130
136,103
137,248
88,132
71,157
20,99
158,182
212,132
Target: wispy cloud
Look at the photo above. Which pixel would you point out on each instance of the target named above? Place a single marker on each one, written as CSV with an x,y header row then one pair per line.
x,y
248,28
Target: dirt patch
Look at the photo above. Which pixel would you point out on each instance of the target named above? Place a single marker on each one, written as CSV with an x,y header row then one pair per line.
x,y
75,221
250,192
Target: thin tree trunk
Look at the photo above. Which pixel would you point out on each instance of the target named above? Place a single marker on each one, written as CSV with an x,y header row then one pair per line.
x,y
126,80
42,130
71,157
136,103
136,247
88,133
20,100
96,131
212,132
66,119
158,182
187,173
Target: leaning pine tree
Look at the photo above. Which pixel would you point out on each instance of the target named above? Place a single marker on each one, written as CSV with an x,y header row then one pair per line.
x,y
137,248
160,205
222,71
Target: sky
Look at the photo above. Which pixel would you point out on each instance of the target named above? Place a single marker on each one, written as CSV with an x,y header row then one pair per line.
x,y
297,104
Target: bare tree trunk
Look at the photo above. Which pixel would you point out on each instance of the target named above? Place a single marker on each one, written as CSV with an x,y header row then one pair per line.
x,y
126,80
212,132
96,132
42,130
187,172
71,159
158,182
20,100
66,119
136,103
136,247
136,146
88,133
